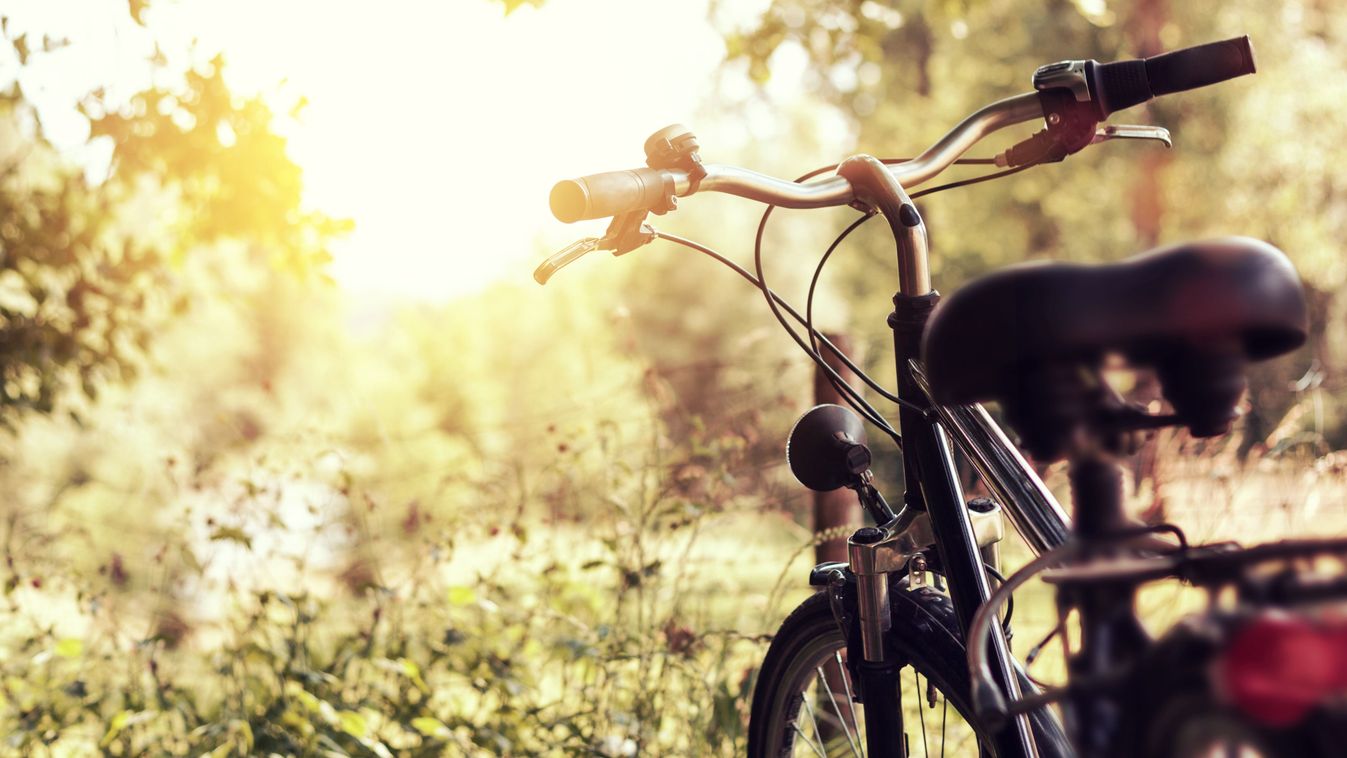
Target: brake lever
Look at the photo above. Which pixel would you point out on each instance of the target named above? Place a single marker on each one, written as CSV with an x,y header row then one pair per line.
x,y
626,233
564,257
1108,132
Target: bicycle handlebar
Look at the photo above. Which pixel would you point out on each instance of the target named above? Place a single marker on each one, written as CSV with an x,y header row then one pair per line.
x,y
1123,84
1108,87
1200,66
612,193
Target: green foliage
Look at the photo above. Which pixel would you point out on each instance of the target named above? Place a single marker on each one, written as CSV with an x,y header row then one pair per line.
x,y
72,287
224,166
86,263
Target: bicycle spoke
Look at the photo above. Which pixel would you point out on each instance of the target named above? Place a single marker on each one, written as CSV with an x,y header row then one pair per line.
x,y
810,710
813,722
809,742
944,713
921,714
845,728
851,701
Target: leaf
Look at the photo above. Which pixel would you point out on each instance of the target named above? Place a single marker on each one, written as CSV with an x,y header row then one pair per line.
x,y
413,673
69,648
137,9
243,730
20,44
115,727
353,724
430,727
121,721
461,596
189,558
233,534
307,699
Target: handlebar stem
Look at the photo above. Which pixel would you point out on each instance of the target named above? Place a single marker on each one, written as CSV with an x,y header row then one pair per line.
x,y
875,186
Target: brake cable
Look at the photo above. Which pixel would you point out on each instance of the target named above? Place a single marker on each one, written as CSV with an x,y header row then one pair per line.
x,y
853,399
847,392
818,270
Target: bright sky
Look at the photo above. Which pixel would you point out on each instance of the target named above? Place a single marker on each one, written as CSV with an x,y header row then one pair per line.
x,y
439,126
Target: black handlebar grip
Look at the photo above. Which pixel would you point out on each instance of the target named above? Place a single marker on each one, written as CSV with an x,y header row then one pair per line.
x,y
1199,66
610,193
1123,84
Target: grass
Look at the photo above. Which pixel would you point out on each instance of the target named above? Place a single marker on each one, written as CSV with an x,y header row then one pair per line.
x,y
603,607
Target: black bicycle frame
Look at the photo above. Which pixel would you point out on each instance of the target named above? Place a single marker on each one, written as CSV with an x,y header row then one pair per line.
x,y
932,482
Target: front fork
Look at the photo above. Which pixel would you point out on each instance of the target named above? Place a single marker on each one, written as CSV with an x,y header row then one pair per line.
x,y
862,587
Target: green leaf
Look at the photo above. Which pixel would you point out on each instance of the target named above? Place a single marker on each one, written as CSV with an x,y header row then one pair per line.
x,y
430,727
461,596
69,648
353,724
413,672
244,731
115,727
410,668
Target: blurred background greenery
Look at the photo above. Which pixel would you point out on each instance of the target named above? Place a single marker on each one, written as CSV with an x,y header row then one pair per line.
x,y
297,459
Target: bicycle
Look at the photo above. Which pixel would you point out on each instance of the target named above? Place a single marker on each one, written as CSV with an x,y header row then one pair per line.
x,y
919,583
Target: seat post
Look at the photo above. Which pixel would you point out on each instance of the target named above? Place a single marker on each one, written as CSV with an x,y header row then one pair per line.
x,y
1110,633
1096,495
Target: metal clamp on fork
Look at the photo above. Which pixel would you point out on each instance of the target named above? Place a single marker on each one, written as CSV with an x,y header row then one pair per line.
x,y
874,552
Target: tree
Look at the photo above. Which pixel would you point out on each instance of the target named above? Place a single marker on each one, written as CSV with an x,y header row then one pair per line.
x,y
86,264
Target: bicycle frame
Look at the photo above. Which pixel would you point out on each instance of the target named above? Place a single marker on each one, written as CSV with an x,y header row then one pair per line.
x,y
1035,513
933,486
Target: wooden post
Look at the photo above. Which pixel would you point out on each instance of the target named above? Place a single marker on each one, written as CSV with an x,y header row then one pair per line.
x,y
831,510
839,507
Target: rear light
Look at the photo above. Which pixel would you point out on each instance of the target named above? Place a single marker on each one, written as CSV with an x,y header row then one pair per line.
x,y
1277,668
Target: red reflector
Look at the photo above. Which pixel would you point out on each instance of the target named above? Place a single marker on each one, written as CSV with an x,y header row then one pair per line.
x,y
1278,667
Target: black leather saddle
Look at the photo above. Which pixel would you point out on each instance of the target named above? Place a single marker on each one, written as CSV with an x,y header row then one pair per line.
x,y
1176,308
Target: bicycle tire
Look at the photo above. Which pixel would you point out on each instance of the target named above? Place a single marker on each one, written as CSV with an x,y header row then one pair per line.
x,y
924,632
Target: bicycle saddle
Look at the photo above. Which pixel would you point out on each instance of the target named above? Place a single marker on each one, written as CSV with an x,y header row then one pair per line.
x,y
1196,312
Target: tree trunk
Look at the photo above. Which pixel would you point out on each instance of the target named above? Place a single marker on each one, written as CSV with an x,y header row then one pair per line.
x,y
836,509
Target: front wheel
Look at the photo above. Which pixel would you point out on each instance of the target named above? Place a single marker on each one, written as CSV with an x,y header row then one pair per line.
x,y
803,705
